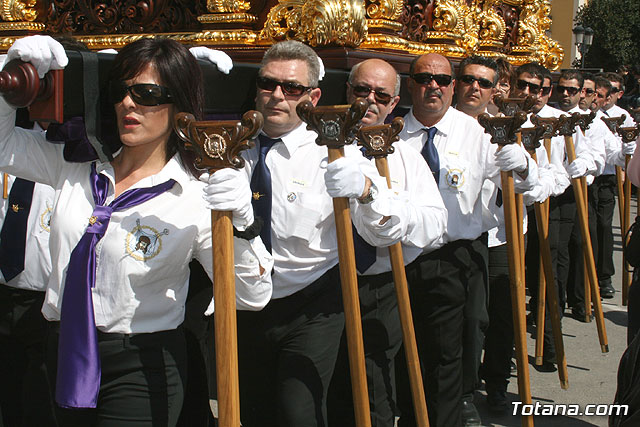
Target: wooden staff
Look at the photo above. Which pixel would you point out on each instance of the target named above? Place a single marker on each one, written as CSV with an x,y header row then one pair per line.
x,y
335,125
502,131
531,140
628,134
567,128
5,186
377,141
519,222
218,144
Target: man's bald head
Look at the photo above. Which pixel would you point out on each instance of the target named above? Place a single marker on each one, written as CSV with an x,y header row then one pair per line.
x,y
379,83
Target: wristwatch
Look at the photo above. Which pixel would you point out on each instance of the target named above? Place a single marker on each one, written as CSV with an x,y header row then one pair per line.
x,y
370,197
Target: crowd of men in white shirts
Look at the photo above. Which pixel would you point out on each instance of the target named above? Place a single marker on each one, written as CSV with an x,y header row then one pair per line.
x,y
445,206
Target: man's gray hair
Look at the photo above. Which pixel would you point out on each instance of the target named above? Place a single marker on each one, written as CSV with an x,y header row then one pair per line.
x,y
294,50
396,88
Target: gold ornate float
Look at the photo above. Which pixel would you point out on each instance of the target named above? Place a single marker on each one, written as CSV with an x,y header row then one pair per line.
x,y
512,29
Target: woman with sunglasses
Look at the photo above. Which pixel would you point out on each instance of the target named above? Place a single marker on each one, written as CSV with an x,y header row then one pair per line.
x,y
122,235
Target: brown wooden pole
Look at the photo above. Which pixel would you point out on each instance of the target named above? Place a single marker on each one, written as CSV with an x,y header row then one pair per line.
x,y
5,186
517,292
406,319
621,200
586,247
520,217
351,302
540,312
224,294
626,274
586,277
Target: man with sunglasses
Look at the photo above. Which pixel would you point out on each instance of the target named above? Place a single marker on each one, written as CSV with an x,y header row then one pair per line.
x,y
288,350
378,82
588,95
453,145
610,108
602,191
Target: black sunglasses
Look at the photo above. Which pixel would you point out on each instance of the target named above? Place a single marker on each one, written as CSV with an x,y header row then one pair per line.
x,y
364,91
545,90
615,89
589,91
570,90
147,94
523,84
482,82
426,78
288,88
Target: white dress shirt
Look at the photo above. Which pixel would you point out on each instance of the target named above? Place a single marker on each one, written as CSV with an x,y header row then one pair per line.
x,y
142,262
618,159
592,145
415,196
37,266
465,162
303,232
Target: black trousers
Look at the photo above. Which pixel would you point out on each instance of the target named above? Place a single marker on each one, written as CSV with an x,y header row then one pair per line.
x,y
496,367
142,382
287,353
603,201
562,220
438,284
382,336
24,384
476,317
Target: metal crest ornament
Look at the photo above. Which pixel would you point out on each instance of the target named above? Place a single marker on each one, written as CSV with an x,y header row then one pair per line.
x,y
613,123
550,125
377,140
509,106
502,129
336,125
530,137
585,120
635,115
567,124
217,144
629,134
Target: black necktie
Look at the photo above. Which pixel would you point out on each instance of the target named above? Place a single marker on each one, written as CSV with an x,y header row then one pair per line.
x,y
261,188
13,236
499,198
430,153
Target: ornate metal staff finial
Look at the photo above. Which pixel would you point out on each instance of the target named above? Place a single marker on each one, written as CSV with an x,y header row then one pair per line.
x,y
613,123
502,129
217,144
629,134
550,125
567,124
377,140
336,125
509,106
585,120
531,137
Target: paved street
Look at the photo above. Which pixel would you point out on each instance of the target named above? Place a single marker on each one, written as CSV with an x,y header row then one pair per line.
x,y
592,374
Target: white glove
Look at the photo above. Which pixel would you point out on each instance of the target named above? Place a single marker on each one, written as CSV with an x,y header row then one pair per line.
x,y
344,178
110,51
321,70
218,57
629,148
511,157
228,190
42,51
577,168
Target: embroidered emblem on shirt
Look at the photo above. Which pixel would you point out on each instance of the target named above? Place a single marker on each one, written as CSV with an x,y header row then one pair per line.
x,y
45,219
455,178
144,242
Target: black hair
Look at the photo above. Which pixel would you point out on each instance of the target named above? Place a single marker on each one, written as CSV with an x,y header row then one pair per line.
x,y
178,71
572,74
604,82
480,60
532,68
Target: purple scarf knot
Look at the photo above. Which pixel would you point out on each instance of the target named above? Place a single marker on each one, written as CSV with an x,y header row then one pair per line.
x,y
78,379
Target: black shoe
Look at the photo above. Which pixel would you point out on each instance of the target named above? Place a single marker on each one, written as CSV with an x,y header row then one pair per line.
x,y
607,291
579,313
470,415
531,319
548,365
497,401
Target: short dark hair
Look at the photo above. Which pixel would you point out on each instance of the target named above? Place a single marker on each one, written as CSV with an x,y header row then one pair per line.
x,y
290,50
588,76
480,60
178,71
602,81
412,66
532,68
614,77
572,74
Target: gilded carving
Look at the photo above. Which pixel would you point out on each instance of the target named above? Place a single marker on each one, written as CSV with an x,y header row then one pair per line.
x,y
19,10
215,6
317,22
383,9
492,26
446,15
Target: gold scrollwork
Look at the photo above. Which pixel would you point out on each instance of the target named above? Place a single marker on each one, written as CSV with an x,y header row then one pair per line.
x,y
446,14
492,26
317,22
216,6
19,10
383,9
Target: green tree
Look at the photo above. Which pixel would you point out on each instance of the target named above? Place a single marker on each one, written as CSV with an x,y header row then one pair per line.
x,y
616,26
